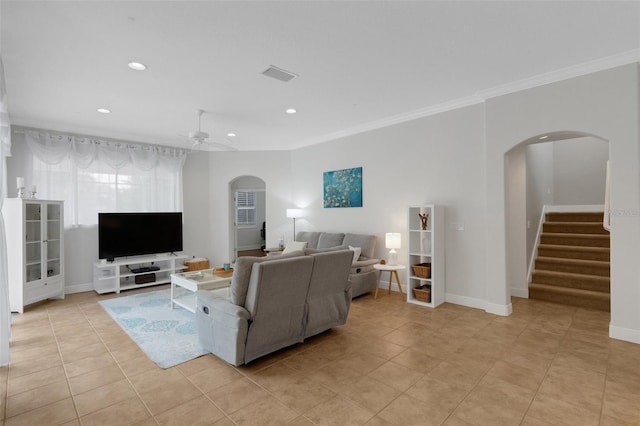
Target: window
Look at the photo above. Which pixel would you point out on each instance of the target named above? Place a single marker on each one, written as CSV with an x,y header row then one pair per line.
x,y
93,176
245,209
99,188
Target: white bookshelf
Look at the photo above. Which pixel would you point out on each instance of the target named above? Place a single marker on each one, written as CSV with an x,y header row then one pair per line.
x,y
426,246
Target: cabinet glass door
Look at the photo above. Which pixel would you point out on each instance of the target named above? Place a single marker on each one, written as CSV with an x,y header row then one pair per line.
x,y
33,237
53,254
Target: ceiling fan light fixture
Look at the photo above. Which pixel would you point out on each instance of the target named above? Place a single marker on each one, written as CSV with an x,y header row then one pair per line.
x,y
104,110
231,135
291,111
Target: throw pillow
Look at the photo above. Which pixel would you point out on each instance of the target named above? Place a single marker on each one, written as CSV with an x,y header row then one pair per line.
x,y
356,253
295,246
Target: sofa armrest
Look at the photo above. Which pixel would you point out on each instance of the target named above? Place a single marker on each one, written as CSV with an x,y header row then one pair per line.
x,y
222,327
363,263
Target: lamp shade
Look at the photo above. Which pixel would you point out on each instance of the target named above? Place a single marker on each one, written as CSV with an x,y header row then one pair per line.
x,y
294,213
393,240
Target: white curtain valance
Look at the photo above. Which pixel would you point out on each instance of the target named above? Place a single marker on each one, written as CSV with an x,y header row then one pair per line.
x,y
54,148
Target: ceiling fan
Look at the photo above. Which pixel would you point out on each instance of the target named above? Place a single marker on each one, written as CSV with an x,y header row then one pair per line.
x,y
201,141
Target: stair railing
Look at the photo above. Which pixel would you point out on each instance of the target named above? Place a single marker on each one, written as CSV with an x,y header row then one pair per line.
x,y
534,255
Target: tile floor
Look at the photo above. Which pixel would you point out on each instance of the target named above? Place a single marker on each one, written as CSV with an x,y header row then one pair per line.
x,y
392,364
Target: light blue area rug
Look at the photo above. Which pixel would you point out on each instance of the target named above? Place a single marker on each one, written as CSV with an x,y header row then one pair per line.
x,y
168,336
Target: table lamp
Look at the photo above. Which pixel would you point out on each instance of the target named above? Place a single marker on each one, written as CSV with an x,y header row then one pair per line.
x,y
393,241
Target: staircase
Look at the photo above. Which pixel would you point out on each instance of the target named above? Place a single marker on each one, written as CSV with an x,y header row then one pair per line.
x,y
572,266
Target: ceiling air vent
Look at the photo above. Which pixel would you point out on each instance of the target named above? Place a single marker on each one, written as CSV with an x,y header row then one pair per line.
x,y
279,74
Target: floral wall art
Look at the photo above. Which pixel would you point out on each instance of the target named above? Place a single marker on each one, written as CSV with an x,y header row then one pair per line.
x,y
343,188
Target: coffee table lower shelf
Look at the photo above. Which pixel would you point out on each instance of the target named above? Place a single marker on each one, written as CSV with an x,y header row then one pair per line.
x,y
194,281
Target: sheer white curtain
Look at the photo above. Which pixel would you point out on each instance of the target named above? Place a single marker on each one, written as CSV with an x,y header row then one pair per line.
x,y
94,175
5,151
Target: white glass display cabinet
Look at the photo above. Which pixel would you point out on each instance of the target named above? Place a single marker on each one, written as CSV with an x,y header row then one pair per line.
x,y
35,250
425,278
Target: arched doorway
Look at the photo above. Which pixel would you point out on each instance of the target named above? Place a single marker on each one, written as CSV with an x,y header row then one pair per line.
x,y
519,219
247,212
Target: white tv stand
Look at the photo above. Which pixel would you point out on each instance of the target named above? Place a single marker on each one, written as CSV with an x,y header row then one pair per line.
x,y
116,276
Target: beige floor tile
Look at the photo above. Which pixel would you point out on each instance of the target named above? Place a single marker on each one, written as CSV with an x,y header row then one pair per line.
x,y
416,360
197,412
276,377
370,394
29,366
405,410
213,378
338,411
34,380
137,365
95,379
303,394
236,395
169,395
88,364
267,411
523,377
36,398
457,375
494,402
433,392
129,412
396,375
104,396
625,408
561,413
471,362
361,362
94,349
201,363
32,352
53,414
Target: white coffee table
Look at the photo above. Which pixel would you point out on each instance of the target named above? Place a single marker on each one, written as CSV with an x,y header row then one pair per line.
x,y
194,281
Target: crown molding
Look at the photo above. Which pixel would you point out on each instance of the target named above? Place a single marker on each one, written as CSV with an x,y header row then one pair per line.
x,y
602,64
394,119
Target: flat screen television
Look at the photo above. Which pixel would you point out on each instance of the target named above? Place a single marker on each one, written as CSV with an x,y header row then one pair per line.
x,y
133,234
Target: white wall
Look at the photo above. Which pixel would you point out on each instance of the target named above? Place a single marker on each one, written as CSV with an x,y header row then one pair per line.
x,y
579,169
212,235
539,188
436,159
603,104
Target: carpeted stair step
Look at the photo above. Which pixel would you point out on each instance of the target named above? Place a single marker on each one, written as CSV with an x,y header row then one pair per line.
x,y
590,240
571,280
574,217
570,296
574,228
574,266
574,252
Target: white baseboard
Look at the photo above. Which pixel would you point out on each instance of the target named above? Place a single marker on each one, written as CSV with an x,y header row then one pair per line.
x,y
496,309
520,292
470,302
78,288
626,334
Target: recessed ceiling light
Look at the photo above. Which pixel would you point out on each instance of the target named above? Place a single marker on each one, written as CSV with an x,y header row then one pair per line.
x,y
137,66
543,137
104,111
231,135
291,111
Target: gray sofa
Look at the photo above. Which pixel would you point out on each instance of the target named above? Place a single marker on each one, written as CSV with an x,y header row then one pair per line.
x,y
363,277
274,303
